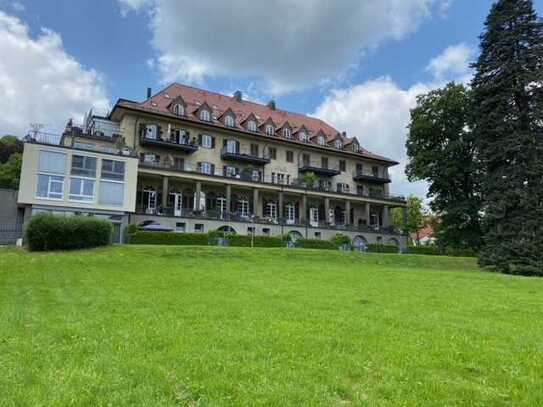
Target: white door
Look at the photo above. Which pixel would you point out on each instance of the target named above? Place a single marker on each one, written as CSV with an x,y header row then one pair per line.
x,y
151,201
202,201
221,206
290,214
314,217
177,203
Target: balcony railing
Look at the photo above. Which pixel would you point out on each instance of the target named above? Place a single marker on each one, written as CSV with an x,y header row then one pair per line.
x,y
371,178
233,155
181,144
215,215
296,183
318,169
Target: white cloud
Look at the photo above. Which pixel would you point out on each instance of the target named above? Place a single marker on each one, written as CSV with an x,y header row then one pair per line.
x,y
377,112
40,82
287,45
453,62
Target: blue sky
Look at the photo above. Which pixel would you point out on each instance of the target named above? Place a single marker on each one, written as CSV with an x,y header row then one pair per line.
x,y
358,67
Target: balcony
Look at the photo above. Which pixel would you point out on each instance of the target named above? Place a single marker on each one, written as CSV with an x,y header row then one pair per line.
x,y
318,169
371,178
180,145
232,155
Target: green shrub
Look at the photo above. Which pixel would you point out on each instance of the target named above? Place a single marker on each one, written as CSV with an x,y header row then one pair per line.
x,y
129,232
259,241
439,251
50,232
342,241
170,238
315,244
382,248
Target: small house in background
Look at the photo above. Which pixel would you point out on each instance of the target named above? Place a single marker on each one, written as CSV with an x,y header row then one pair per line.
x,y
424,236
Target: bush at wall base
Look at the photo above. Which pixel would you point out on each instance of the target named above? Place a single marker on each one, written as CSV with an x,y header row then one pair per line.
x,y
382,248
51,232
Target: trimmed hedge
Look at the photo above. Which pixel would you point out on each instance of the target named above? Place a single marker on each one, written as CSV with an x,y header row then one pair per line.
x,y
439,251
315,244
51,232
259,241
170,238
382,248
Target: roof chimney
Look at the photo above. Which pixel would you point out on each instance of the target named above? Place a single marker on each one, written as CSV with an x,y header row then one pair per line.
x,y
271,104
237,95
148,93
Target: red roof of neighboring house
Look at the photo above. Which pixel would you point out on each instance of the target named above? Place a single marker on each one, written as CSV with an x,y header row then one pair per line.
x,y
194,98
426,231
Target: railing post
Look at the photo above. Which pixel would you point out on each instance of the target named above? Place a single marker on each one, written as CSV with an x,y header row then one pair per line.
x,y
327,210
228,199
165,181
347,213
197,196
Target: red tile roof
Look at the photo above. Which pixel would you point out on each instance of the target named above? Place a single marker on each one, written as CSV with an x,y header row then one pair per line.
x,y
194,98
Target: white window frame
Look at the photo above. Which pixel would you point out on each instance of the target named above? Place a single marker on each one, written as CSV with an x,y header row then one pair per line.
x,y
231,146
252,126
287,133
243,207
205,168
290,211
339,144
115,163
303,136
205,115
81,196
85,159
221,206
231,171
229,120
179,109
51,179
207,141
151,131
322,141
270,130
271,210
112,204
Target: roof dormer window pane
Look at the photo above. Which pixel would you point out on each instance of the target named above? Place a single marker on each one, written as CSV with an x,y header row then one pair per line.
x,y
287,133
270,131
204,115
339,144
251,125
179,109
229,121
303,136
321,140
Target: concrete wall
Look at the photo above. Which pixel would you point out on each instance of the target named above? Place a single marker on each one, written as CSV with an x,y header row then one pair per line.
x,y
29,179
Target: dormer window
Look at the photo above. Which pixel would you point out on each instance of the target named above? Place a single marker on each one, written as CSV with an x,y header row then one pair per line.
x,y
178,109
251,125
303,136
287,133
356,147
205,116
321,140
270,130
229,121
339,144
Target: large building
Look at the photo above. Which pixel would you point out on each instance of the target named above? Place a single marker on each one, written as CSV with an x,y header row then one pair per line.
x,y
195,161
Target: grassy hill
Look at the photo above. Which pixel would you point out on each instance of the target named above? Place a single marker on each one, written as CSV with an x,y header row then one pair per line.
x,y
142,325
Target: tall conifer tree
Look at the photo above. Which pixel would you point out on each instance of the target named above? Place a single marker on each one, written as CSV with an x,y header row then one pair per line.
x,y
508,124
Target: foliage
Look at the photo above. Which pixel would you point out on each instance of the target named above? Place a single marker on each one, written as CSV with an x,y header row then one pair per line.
x,y
315,244
9,145
10,172
382,248
442,151
415,216
170,238
50,232
508,124
129,232
259,241
309,179
435,250
342,241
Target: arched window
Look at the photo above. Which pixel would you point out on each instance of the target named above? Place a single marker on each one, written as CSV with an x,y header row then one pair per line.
x,y
322,140
179,109
287,133
270,131
229,121
251,125
339,144
204,115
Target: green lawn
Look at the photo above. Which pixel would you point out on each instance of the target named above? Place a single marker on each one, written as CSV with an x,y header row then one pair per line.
x,y
143,325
